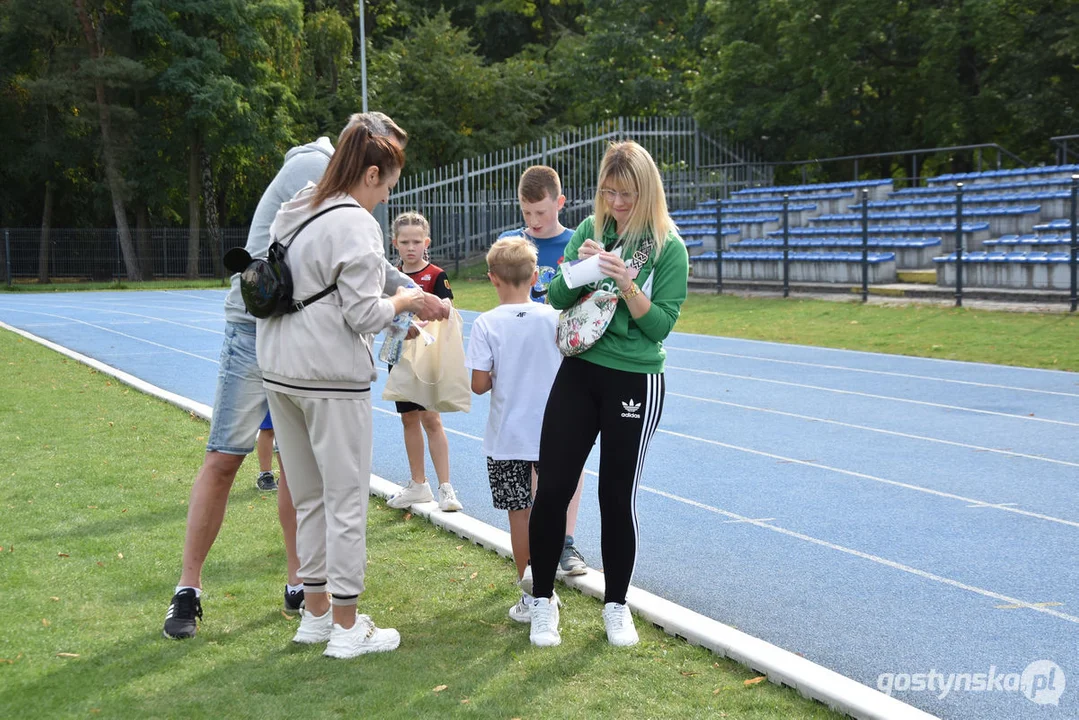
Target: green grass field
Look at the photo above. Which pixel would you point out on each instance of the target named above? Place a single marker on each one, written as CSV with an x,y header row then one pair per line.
x,y
95,478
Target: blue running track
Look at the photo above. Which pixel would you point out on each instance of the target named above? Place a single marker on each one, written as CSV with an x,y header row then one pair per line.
x,y
877,514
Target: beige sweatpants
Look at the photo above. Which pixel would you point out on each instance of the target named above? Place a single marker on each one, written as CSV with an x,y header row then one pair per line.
x,y
325,446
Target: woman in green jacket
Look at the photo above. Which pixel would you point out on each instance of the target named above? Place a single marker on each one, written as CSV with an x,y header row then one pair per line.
x,y
614,389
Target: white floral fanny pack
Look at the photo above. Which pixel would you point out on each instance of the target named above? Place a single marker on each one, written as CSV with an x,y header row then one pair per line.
x,y
582,324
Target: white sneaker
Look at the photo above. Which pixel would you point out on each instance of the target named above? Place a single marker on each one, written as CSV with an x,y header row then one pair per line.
x,y
360,639
447,499
525,583
313,628
522,611
619,623
544,631
410,494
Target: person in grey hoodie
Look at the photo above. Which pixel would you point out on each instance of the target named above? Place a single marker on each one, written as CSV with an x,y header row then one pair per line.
x,y
240,401
317,368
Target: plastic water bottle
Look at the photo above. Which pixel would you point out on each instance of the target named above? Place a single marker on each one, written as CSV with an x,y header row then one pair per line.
x,y
394,342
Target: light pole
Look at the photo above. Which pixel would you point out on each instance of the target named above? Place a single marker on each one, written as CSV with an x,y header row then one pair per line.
x,y
363,56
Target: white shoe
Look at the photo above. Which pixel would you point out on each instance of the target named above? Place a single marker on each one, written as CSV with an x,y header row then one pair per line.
x,y
522,611
619,623
544,631
313,628
525,583
447,499
360,639
410,494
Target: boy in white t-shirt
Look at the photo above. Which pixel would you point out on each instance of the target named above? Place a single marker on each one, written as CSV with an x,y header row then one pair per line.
x,y
512,353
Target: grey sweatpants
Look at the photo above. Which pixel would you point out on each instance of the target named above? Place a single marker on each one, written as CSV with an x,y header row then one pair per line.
x,y
325,447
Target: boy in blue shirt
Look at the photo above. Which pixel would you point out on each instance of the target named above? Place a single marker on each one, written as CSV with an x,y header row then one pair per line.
x,y
539,192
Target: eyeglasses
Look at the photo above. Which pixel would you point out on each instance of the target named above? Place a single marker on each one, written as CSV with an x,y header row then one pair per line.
x,y
623,195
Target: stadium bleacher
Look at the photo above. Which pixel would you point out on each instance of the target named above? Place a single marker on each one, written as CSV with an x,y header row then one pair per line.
x,y
1015,230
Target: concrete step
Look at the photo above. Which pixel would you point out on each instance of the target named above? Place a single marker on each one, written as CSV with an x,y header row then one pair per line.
x,y
922,277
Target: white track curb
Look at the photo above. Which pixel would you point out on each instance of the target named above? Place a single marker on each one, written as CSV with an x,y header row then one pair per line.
x,y
781,666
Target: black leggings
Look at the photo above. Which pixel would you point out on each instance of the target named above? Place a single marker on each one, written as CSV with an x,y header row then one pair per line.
x,y
623,408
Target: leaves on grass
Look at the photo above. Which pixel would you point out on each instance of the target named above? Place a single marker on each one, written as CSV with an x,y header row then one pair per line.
x,y
465,701
45,622
408,516
460,546
67,655
62,555
754,681
287,616
473,576
439,688
100,564
54,598
688,673
120,555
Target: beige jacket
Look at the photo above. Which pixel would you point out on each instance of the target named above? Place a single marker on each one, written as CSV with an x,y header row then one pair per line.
x,y
324,350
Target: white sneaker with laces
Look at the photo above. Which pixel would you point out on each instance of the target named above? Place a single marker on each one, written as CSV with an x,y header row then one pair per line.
x,y
522,611
544,630
619,623
313,628
360,639
410,494
447,499
525,583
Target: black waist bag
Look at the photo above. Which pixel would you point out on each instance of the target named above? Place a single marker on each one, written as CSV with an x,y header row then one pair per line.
x,y
266,283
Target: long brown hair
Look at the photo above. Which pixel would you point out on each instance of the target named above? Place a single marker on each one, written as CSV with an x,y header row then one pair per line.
x,y
357,150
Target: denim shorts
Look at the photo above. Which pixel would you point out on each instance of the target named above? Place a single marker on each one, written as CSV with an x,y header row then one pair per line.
x,y
240,400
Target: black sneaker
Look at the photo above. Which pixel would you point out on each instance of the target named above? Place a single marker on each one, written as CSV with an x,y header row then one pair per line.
x,y
265,482
180,619
293,600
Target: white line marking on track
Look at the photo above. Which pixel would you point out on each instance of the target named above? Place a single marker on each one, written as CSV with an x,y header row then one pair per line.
x,y
896,433
1037,607
874,372
874,478
117,332
877,397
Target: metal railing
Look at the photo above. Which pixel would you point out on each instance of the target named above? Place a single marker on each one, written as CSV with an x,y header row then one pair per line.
x,y
813,170
71,254
469,203
1061,149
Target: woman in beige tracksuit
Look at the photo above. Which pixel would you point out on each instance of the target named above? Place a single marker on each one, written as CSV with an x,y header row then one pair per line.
x,y
317,369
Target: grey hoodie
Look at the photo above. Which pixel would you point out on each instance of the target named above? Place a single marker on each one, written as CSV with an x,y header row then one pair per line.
x,y
324,350
303,164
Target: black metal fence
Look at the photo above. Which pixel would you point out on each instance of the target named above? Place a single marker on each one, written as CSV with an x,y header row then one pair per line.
x,y
69,254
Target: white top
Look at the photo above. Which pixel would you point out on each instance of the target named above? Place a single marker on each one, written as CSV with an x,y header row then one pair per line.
x,y
516,344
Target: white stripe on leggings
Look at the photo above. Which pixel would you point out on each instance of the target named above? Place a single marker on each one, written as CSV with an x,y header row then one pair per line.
x,y
648,428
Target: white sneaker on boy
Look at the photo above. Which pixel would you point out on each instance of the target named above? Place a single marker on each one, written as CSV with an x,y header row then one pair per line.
x,y
447,499
522,611
410,494
313,628
544,630
360,639
619,623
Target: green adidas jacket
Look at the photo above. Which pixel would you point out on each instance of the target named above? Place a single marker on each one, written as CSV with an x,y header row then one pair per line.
x,y
628,344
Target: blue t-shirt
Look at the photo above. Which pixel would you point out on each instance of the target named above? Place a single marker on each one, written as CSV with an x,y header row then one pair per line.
x,y
550,255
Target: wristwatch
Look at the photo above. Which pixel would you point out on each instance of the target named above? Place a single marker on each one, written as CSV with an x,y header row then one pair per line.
x,y
633,291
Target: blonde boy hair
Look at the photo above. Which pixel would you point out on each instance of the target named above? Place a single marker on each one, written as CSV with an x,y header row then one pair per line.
x,y
538,182
512,260
630,166
411,219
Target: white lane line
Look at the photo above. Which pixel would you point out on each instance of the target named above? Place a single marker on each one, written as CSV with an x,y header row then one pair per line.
x,y
124,335
873,396
874,478
896,433
148,319
887,373
1037,607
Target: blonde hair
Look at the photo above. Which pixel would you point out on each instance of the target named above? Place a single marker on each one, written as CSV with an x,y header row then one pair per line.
x,y
411,219
512,260
538,182
630,165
